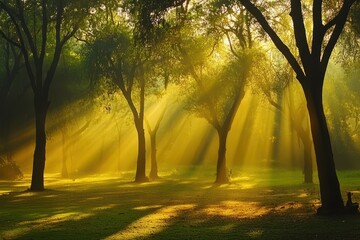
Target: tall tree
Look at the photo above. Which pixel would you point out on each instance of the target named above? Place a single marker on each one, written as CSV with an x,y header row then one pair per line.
x,y
42,28
273,79
219,74
114,56
310,72
131,62
11,64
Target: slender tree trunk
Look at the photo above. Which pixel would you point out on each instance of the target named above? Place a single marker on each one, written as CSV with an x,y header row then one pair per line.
x,y
221,173
141,160
154,168
153,132
276,151
303,134
331,199
41,105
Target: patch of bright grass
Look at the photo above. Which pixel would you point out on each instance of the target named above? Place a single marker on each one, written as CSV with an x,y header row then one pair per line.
x,y
266,204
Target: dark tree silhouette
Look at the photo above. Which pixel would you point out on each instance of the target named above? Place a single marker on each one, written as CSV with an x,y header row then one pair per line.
x,y
114,56
12,63
310,73
34,22
218,102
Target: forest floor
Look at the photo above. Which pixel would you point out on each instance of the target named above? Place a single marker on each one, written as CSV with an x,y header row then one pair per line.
x,y
267,204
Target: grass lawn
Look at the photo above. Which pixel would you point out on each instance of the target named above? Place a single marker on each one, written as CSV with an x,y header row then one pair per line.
x,y
264,204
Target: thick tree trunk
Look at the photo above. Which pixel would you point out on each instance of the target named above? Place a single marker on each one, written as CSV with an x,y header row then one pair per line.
x,y
41,105
331,200
221,173
141,160
154,169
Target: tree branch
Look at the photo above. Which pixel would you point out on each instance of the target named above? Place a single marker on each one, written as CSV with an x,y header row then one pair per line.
x,y
231,46
24,51
318,30
340,20
29,38
275,38
9,39
300,33
43,33
58,46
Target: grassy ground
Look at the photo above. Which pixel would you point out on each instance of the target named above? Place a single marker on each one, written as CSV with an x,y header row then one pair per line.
x,y
256,205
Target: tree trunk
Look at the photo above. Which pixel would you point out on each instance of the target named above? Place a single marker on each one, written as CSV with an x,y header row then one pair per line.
x,y
276,151
41,105
221,173
141,160
154,169
303,134
331,200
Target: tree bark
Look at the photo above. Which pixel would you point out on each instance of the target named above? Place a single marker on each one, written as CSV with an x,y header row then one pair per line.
x,y
221,173
41,105
154,168
331,200
140,175
141,159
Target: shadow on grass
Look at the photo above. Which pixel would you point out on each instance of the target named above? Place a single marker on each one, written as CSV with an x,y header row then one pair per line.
x,y
110,208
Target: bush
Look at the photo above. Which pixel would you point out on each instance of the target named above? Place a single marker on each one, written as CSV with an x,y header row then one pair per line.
x,y
9,170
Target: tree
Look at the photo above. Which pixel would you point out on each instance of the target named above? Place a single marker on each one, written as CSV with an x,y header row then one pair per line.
x,y
219,74
42,28
273,79
162,75
130,62
114,56
11,62
310,72
153,133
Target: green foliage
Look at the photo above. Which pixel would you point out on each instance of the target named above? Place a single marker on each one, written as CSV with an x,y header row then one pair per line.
x,y
149,17
355,18
220,86
349,52
110,54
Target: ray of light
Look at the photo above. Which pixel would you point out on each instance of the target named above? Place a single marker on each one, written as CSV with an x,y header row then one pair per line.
x,y
152,223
